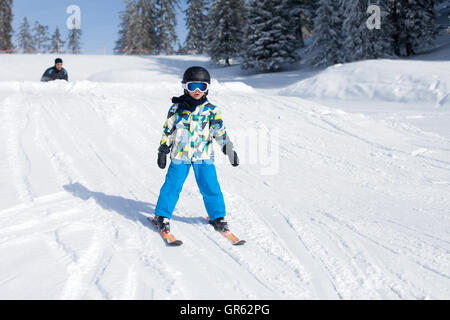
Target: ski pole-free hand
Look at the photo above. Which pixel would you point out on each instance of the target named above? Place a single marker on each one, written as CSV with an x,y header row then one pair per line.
x,y
228,149
163,151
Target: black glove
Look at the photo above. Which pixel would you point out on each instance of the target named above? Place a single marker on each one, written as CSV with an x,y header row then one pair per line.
x,y
232,155
163,151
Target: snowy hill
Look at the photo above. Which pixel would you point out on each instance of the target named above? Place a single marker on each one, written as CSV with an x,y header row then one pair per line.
x,y
334,203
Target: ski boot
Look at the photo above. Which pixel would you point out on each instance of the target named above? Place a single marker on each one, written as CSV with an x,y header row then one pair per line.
x,y
162,223
220,224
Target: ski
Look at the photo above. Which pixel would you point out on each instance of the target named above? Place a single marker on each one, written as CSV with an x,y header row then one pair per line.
x,y
230,236
167,236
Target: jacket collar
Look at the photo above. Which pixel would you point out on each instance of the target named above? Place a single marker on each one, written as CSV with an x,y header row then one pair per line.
x,y
186,102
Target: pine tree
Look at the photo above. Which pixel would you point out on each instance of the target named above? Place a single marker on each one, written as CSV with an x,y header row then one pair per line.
x,y
406,27
411,25
300,16
196,20
74,41
137,34
226,30
40,37
25,38
420,24
165,27
309,9
269,43
6,25
143,27
361,42
294,18
396,22
327,46
122,44
56,43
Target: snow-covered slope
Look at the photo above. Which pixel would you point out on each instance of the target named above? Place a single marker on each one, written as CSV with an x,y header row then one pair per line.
x,y
333,205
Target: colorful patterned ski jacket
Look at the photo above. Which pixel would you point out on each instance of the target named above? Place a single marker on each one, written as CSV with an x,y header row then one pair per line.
x,y
190,134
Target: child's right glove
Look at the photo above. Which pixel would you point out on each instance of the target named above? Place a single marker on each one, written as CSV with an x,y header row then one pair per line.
x,y
163,151
232,155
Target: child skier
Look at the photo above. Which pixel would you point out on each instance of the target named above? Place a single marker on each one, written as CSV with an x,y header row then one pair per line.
x,y
191,125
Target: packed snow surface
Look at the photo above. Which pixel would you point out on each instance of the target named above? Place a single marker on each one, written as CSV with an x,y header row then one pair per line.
x,y
337,199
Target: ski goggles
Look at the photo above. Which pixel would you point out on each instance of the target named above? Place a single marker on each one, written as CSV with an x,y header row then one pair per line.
x,y
192,86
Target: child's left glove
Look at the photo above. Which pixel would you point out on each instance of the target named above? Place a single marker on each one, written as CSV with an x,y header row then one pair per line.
x,y
163,151
232,155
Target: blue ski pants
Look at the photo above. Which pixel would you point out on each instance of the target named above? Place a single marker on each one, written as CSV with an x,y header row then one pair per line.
x,y
206,177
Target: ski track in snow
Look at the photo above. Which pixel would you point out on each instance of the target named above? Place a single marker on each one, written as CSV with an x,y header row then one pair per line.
x,y
17,159
358,209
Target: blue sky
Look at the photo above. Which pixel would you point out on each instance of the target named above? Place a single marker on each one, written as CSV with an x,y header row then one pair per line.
x,y
99,20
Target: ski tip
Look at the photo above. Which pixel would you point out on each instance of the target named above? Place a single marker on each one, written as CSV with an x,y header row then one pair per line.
x,y
239,243
175,243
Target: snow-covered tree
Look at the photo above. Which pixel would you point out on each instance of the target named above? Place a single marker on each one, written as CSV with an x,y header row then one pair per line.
x,y
411,24
40,37
142,28
420,24
56,43
327,46
362,42
123,43
25,37
166,36
6,30
300,16
397,27
137,34
270,41
226,30
196,21
74,41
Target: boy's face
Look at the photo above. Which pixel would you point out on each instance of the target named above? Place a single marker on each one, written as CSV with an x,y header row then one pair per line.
x,y
197,94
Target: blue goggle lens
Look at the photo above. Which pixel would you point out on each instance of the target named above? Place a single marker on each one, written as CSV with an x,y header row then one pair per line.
x,y
202,86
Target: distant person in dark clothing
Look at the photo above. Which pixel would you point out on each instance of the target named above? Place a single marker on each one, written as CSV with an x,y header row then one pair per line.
x,y
57,72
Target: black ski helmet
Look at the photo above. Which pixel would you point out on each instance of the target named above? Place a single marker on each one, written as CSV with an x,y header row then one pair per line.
x,y
196,73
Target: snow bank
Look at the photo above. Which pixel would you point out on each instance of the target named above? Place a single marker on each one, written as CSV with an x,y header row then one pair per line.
x,y
381,80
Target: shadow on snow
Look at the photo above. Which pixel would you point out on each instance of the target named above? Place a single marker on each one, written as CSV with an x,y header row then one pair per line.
x,y
130,209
